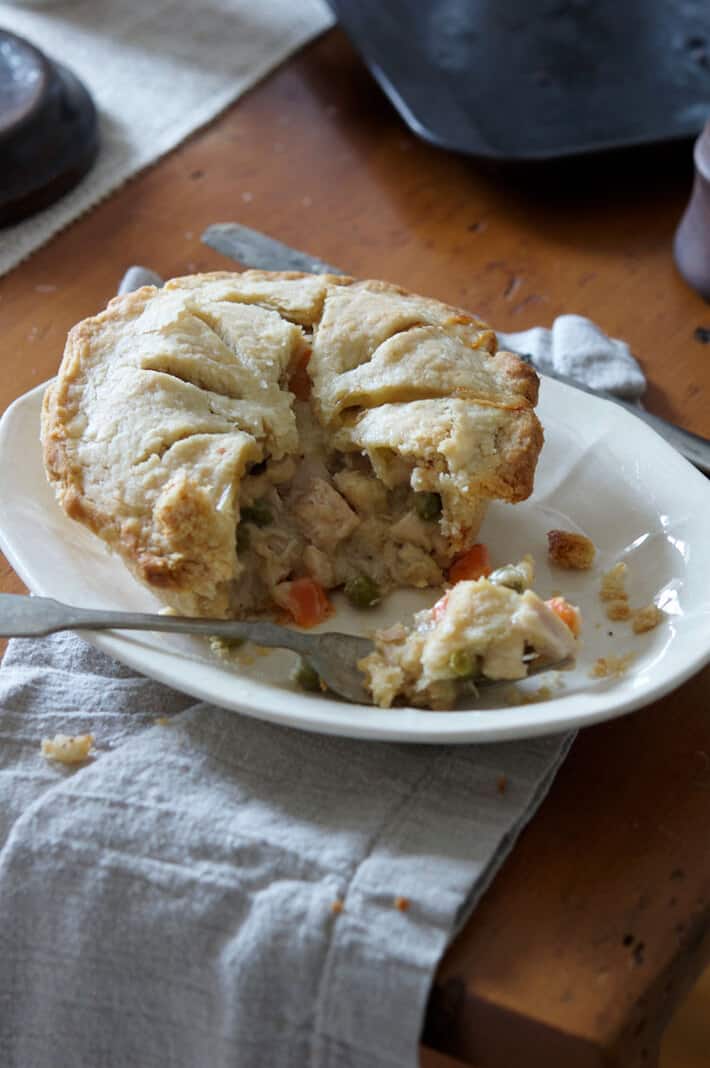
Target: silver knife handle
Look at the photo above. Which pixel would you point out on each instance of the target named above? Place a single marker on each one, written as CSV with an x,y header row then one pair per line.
x,y
254,249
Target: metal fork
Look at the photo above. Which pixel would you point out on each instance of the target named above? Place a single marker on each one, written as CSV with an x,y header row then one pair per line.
x,y
334,656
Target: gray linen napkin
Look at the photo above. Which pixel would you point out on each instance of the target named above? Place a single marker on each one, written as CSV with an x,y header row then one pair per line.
x,y
173,902
216,891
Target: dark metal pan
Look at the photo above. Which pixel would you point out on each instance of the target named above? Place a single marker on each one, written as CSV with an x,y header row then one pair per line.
x,y
536,80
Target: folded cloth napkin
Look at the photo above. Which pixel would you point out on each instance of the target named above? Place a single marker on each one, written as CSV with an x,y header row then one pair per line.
x,y
213,890
576,347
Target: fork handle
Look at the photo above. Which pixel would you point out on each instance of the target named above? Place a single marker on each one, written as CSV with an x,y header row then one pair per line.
x,y
34,617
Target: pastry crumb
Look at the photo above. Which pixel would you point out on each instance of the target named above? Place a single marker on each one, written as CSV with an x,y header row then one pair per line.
x,y
566,549
68,748
607,667
337,907
617,610
613,585
162,721
402,903
646,618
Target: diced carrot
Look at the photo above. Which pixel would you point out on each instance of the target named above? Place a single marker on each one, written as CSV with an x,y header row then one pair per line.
x,y
475,563
299,381
308,602
566,612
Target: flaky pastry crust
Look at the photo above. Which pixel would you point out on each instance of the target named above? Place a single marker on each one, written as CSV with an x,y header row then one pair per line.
x,y
167,402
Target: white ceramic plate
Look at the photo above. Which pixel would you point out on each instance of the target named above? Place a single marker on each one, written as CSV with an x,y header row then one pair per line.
x,y
602,471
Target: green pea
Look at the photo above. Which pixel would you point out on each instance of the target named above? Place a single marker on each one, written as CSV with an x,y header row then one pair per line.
x,y
257,513
307,677
427,505
243,538
508,576
362,591
462,664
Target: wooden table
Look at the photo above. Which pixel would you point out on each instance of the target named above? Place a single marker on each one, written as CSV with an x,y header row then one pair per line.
x,y
598,922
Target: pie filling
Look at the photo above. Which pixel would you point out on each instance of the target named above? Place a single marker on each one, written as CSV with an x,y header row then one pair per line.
x,y
490,628
323,514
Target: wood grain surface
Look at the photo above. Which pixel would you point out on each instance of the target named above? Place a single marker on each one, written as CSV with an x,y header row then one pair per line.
x,y
598,922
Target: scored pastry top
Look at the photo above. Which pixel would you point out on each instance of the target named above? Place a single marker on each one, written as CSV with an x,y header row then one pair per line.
x,y
169,404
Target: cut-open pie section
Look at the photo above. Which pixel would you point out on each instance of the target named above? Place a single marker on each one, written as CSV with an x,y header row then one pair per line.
x,y
250,441
490,628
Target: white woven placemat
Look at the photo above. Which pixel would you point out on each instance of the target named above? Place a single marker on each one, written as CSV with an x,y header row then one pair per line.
x,y
158,70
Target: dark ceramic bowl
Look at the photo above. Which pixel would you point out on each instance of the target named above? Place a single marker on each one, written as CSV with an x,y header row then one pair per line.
x,y
48,129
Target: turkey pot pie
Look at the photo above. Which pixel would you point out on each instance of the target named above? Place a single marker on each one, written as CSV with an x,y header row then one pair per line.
x,y
236,435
